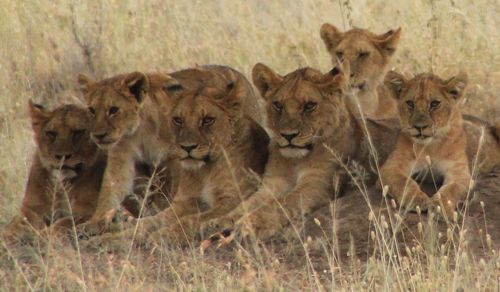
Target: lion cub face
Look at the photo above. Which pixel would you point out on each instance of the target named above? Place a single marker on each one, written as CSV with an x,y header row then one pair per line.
x,y
368,54
427,103
114,105
62,137
301,106
202,122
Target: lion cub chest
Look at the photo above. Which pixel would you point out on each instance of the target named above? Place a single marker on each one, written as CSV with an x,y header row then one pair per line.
x,y
430,172
207,196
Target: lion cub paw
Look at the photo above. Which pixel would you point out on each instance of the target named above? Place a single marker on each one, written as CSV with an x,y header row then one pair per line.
x,y
447,206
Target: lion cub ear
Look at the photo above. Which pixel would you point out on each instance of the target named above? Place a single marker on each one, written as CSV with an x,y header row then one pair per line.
x,y
330,35
335,81
170,85
85,83
265,79
455,86
395,82
388,41
137,84
38,114
235,92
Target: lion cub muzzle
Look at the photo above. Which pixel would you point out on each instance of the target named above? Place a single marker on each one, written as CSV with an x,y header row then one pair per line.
x,y
290,147
421,128
102,140
193,156
65,165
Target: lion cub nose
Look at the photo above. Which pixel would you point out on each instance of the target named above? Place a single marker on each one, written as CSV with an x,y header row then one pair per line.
x,y
420,128
65,157
100,136
289,136
189,148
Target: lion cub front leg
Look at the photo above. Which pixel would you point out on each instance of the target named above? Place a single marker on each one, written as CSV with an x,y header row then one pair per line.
x,y
458,182
403,188
117,183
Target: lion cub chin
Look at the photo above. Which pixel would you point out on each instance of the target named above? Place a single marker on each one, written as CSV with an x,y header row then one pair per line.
x,y
65,175
432,138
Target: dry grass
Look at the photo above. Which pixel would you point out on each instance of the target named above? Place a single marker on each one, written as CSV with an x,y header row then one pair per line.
x,y
46,43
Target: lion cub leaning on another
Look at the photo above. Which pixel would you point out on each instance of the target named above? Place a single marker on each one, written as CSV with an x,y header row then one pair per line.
x,y
65,175
222,152
432,140
130,120
369,56
126,120
313,135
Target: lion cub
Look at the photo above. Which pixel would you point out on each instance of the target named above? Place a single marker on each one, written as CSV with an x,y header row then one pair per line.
x,y
221,151
65,175
369,56
127,121
432,140
313,135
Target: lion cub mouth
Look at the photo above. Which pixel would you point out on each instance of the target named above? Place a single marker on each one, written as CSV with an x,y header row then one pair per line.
x,y
105,145
205,158
361,86
292,146
70,171
421,138
76,168
295,152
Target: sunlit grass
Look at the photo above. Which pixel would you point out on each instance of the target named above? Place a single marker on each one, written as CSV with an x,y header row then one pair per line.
x,y
45,44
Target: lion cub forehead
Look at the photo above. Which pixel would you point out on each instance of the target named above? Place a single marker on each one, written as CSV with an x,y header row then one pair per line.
x,y
102,92
68,116
359,33
356,44
425,86
195,104
298,89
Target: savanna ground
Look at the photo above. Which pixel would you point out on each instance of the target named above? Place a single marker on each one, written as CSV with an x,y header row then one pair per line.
x,y
45,44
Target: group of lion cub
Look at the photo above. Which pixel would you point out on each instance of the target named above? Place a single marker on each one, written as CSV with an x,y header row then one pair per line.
x,y
201,131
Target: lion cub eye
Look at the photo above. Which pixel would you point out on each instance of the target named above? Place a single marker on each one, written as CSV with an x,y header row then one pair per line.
x,y
207,121
91,110
113,110
177,121
51,135
77,134
340,55
309,106
434,104
277,106
410,104
362,55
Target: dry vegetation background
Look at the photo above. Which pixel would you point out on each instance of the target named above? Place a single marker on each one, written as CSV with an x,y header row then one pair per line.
x,y
45,44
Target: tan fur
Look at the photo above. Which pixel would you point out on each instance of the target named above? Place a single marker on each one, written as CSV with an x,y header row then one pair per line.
x,y
217,76
432,138
65,175
127,120
137,132
483,144
369,56
302,173
221,152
